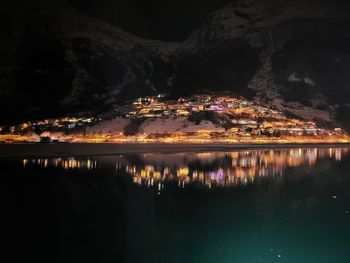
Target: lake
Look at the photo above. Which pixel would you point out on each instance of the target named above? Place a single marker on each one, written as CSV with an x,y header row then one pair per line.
x,y
273,205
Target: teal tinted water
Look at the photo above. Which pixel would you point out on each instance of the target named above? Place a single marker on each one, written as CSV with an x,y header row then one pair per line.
x,y
286,205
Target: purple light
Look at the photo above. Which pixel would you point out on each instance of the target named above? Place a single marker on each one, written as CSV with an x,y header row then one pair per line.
x,y
216,108
219,174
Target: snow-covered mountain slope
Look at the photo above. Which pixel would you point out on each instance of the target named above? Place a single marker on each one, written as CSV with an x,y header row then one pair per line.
x,y
293,55
290,54
59,59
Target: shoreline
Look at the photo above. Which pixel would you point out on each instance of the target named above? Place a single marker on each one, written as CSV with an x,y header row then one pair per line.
x,y
100,149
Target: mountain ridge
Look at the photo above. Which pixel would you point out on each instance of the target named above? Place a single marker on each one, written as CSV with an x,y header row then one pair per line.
x,y
245,47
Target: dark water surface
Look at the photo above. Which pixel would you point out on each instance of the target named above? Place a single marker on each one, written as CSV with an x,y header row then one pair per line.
x,y
283,205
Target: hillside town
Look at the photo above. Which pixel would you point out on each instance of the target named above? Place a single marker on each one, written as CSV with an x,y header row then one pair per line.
x,y
244,117
197,119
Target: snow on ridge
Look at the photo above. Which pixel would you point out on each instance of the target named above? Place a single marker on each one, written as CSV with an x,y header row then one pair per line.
x,y
235,20
97,29
309,81
228,23
293,78
75,24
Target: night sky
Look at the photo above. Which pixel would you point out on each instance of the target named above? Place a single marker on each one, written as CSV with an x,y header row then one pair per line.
x,y
154,19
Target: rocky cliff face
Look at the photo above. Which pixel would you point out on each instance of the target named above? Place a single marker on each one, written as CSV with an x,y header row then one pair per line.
x,y
294,55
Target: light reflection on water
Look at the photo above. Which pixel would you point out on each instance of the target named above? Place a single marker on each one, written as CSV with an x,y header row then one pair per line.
x,y
66,163
221,169
297,210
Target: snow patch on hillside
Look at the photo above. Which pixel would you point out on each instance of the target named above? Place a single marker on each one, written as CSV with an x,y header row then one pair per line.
x,y
177,125
108,127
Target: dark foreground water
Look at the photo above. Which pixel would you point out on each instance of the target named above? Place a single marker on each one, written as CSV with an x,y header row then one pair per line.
x,y
285,205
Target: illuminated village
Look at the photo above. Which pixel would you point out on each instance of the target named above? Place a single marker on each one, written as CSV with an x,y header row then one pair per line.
x,y
198,119
230,169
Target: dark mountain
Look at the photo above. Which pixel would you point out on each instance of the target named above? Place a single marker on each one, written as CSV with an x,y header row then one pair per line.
x,y
57,60
294,55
